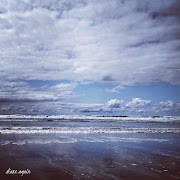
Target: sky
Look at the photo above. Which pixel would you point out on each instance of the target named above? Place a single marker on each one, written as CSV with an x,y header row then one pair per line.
x,y
90,57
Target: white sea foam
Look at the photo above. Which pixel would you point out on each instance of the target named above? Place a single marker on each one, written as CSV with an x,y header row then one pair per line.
x,y
70,140
90,118
85,130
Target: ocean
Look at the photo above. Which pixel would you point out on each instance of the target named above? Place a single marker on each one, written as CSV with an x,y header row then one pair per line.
x,y
90,147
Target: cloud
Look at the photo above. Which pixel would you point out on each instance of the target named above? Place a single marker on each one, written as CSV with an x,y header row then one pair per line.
x,y
119,87
111,91
38,107
126,42
115,89
112,107
137,102
23,91
138,105
166,106
114,103
122,43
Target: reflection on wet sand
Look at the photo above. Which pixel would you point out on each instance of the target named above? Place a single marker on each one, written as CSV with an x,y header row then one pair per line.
x,y
91,156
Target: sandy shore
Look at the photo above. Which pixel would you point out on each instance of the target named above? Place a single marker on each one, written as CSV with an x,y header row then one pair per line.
x,y
91,156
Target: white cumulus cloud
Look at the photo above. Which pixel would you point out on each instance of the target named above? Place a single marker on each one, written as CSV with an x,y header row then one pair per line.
x,y
114,103
137,102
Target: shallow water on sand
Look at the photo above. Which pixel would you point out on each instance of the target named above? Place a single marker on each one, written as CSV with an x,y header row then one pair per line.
x,y
78,153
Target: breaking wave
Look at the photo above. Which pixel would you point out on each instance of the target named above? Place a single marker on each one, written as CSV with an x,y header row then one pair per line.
x,y
175,119
67,130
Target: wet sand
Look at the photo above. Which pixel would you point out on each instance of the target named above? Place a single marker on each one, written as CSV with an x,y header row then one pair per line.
x,y
91,156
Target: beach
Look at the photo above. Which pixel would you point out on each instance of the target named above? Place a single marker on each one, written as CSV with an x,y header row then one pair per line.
x,y
94,148
89,89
